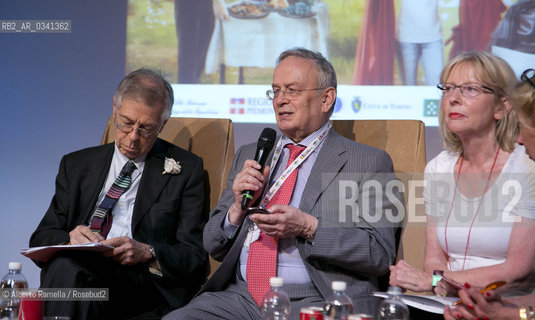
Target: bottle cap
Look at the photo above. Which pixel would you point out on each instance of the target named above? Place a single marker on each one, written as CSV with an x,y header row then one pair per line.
x,y
15,266
394,290
276,282
338,286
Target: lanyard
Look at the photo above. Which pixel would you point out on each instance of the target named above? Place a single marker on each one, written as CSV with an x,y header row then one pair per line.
x,y
295,164
475,215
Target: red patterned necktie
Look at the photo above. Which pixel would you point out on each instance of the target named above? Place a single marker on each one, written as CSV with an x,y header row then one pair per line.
x,y
262,259
102,218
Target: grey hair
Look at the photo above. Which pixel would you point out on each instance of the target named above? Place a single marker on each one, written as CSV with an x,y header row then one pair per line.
x,y
149,87
326,72
327,75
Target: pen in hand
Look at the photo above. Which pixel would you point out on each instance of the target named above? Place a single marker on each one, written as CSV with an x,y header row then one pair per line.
x,y
491,286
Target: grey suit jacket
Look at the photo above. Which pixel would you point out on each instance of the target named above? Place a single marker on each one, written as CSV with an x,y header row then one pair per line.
x,y
346,191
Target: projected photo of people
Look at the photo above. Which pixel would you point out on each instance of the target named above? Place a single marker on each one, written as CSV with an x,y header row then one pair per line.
x,y
220,55
419,41
381,42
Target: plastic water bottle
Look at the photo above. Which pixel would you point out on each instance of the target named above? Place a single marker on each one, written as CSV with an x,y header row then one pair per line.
x,y
11,286
392,308
276,304
339,306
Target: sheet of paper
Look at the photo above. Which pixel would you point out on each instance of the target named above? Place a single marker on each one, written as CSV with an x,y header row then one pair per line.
x,y
432,304
45,253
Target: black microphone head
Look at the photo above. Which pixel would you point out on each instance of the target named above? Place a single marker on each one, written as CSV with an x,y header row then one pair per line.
x,y
267,139
265,144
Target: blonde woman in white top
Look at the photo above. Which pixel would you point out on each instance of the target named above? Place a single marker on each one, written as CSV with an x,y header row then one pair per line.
x,y
490,304
479,192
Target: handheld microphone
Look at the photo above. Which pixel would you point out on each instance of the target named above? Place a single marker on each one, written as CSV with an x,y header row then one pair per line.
x,y
263,148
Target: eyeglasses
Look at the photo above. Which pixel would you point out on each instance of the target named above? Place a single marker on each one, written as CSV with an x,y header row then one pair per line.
x,y
289,93
468,90
529,76
127,128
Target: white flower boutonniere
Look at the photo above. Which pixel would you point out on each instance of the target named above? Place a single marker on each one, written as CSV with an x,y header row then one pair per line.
x,y
171,166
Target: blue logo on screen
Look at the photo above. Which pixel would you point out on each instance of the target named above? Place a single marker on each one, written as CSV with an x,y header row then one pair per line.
x,y
337,105
356,104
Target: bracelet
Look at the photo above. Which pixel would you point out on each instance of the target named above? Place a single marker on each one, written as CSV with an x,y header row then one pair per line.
x,y
522,313
531,313
437,276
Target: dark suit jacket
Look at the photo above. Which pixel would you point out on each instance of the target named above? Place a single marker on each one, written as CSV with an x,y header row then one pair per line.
x,y
352,245
169,213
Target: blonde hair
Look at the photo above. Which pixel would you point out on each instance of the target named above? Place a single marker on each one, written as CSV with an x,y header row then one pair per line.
x,y
523,100
496,74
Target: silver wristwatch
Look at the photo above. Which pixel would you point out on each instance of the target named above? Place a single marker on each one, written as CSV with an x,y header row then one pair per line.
x,y
152,252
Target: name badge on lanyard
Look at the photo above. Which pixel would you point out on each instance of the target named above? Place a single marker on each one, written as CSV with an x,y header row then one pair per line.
x,y
254,232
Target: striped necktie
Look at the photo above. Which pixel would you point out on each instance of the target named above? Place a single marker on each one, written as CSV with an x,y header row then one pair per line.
x,y
102,218
262,259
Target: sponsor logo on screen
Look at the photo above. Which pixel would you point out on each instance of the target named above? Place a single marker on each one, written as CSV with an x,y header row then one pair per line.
x,y
356,104
237,105
250,106
337,105
431,107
